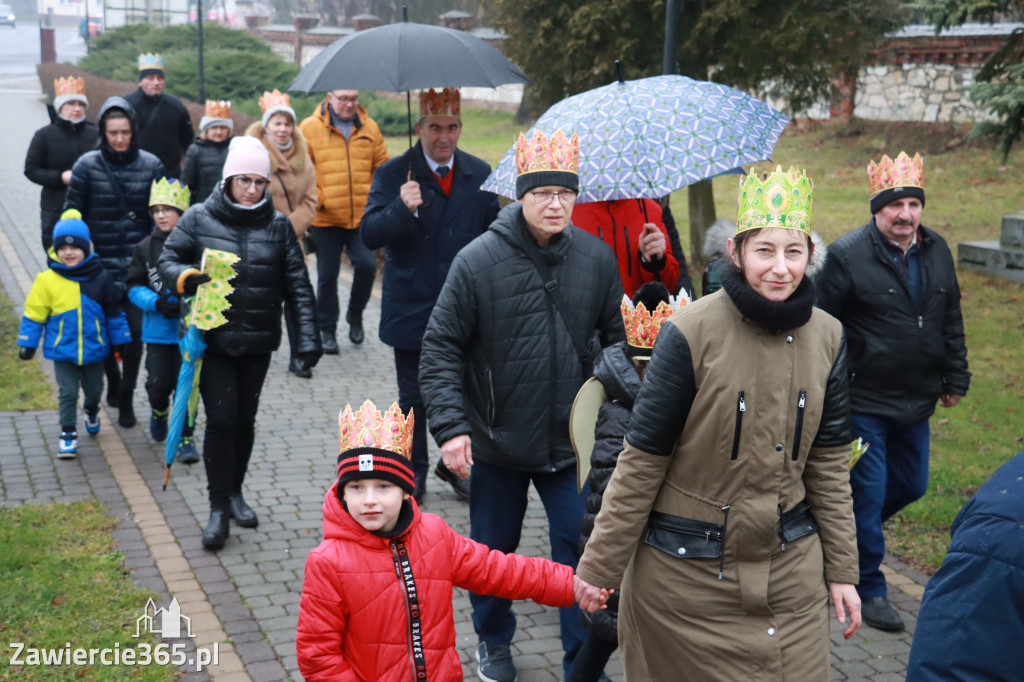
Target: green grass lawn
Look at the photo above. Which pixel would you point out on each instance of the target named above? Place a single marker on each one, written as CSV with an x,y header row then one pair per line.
x,y
22,384
63,584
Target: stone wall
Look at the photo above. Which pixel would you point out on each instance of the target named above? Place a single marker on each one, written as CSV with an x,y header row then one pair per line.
x,y
916,92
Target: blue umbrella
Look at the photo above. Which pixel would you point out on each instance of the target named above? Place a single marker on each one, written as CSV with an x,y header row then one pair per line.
x,y
186,402
650,137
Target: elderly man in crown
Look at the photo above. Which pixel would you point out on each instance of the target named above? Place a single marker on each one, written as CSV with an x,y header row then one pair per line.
x,y
893,285
505,351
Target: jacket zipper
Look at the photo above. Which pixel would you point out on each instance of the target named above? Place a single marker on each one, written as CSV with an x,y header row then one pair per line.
x,y
741,407
491,408
801,402
721,554
779,506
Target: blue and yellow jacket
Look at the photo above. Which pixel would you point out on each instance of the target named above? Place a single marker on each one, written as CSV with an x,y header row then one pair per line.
x,y
76,310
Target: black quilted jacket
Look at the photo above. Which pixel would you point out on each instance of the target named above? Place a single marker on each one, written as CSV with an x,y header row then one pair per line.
x,y
271,270
498,361
53,150
204,163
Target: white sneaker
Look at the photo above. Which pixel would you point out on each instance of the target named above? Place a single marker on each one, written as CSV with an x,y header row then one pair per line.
x,y
68,445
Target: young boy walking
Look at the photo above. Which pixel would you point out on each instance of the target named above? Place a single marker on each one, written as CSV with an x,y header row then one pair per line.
x,y
377,598
161,312
76,308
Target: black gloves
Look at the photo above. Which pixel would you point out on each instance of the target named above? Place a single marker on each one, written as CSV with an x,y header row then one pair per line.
x,y
308,359
168,308
192,282
26,353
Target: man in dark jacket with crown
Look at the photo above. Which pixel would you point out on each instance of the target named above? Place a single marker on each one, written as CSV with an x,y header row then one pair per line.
x,y
500,369
163,123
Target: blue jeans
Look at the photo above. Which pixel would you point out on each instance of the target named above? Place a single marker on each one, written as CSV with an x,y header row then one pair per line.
x,y
497,507
330,242
889,476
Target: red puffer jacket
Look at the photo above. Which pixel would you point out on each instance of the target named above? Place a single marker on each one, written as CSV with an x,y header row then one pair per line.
x,y
357,620
620,223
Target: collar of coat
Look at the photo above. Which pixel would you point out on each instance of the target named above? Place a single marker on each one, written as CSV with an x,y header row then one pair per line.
x,y
299,150
774,316
235,215
324,115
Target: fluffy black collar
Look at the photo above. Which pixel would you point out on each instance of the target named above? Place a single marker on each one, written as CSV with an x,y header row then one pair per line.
x,y
775,317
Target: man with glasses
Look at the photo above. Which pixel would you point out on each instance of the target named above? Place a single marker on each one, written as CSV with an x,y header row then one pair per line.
x,y
346,147
524,309
424,206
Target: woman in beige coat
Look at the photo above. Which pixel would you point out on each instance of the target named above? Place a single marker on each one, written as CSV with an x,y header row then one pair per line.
x,y
292,184
728,521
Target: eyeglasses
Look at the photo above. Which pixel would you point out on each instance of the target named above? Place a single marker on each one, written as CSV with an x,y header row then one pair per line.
x,y
160,210
566,197
348,100
244,181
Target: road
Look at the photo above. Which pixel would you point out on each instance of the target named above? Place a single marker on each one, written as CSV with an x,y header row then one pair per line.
x,y
20,52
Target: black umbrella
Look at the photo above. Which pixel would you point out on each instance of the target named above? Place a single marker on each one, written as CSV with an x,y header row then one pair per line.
x,y
407,56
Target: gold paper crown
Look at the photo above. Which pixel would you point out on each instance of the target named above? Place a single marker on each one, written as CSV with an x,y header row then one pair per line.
x,y
541,154
68,86
642,327
447,102
151,61
903,172
369,428
778,200
269,100
169,193
217,108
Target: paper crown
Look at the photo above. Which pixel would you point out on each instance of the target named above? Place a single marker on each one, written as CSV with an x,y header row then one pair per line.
x,y
539,153
217,108
62,87
150,61
446,102
169,193
269,100
782,199
903,172
369,428
642,327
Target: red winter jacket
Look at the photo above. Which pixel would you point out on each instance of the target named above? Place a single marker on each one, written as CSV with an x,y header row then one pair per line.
x,y
354,615
620,223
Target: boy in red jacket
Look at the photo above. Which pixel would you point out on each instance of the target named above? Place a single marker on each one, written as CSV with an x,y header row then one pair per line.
x,y
357,619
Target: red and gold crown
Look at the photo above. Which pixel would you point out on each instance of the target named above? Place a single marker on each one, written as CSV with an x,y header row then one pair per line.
x,y
446,102
217,108
68,86
560,153
903,172
369,428
642,327
269,100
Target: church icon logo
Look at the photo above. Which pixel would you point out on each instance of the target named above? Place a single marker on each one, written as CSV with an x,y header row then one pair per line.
x,y
166,623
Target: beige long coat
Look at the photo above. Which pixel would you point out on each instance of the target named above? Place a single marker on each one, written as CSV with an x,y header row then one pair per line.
x,y
767,617
292,179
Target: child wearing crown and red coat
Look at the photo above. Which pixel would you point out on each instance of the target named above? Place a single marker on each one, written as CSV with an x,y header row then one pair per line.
x,y
357,619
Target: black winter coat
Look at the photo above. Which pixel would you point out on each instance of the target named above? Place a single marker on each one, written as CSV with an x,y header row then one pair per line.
x,y
117,216
204,163
902,356
271,270
53,150
164,128
498,361
420,249
621,382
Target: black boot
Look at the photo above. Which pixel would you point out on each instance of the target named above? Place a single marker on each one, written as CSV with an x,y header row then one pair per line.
x,y
242,513
217,529
298,369
355,329
330,342
126,410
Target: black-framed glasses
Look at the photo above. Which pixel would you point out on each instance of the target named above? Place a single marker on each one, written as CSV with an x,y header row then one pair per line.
x,y
566,197
244,181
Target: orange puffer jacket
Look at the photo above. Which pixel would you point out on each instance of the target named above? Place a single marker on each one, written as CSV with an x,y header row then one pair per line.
x,y
357,619
344,167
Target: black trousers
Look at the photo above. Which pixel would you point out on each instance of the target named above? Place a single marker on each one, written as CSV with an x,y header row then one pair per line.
x,y
231,388
163,360
330,242
407,367
121,379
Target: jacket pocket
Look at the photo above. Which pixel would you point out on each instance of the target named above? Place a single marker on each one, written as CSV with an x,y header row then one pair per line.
x,y
741,407
684,538
801,402
60,334
796,523
489,387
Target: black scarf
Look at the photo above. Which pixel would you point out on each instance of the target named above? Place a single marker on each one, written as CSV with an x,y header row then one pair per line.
x,y
775,316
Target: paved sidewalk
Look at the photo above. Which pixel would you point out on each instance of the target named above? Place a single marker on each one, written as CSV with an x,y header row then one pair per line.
x,y
246,596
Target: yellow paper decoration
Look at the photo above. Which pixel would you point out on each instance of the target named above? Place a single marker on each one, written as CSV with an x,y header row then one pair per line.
x,y
211,298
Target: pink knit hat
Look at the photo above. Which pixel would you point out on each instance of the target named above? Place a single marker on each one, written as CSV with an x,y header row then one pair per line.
x,y
246,156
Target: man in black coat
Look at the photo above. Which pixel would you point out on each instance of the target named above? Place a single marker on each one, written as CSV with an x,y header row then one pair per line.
x,y
504,354
893,285
55,148
162,121
424,206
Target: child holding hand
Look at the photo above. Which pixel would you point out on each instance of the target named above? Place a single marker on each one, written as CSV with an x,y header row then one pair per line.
x,y
377,598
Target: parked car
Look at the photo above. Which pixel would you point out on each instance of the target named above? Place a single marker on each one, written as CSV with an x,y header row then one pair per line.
x,y
7,16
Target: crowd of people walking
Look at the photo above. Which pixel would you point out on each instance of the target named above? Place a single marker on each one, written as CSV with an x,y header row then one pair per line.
x,y
720,524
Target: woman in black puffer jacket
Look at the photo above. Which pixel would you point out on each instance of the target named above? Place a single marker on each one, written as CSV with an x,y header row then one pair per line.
x,y
110,188
239,217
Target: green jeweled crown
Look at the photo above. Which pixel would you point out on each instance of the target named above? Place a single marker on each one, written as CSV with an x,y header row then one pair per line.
x,y
782,199
150,61
169,193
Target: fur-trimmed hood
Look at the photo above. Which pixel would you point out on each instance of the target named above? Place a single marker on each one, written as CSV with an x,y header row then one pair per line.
x,y
299,151
721,230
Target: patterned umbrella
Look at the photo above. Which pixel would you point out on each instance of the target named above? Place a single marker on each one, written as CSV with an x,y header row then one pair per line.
x,y
649,137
